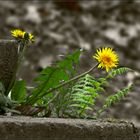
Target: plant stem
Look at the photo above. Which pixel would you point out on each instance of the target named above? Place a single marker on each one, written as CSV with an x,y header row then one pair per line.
x,y
32,100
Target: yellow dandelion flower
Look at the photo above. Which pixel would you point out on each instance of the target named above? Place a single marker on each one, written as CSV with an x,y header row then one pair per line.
x,y
17,33
107,58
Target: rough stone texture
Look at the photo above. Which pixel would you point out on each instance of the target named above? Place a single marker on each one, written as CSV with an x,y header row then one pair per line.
x,y
8,61
21,128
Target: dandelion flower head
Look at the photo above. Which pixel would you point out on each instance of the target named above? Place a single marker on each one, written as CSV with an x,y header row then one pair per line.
x,y
107,58
20,34
17,33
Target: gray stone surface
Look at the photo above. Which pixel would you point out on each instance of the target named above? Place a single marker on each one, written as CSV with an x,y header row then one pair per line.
x,y
21,128
8,61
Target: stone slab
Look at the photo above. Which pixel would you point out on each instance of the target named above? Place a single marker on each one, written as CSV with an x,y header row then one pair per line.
x,y
29,128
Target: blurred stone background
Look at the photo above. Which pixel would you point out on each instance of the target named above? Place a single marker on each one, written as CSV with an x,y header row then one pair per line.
x,y
62,26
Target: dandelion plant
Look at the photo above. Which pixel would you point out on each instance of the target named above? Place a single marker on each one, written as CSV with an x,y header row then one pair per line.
x,y
60,91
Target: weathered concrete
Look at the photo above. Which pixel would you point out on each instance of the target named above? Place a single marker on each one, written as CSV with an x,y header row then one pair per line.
x,y
8,60
27,128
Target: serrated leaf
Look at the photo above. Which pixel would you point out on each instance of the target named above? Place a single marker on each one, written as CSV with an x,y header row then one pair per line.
x,y
49,78
68,62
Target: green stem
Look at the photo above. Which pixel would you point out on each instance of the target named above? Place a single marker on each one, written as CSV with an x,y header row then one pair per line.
x,y
33,100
